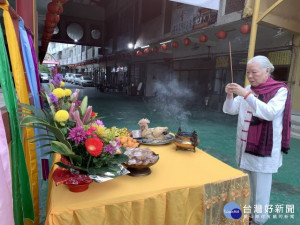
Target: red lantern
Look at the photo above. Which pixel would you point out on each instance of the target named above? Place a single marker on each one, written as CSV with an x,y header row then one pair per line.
x,y
174,44
49,29
55,8
222,34
44,42
203,38
147,51
155,49
139,53
52,17
164,47
44,48
61,1
47,36
245,29
50,24
186,41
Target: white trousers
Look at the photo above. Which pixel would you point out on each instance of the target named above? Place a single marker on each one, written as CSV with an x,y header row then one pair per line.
x,y
260,184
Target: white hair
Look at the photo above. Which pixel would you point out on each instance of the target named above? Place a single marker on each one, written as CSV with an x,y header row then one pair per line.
x,y
263,61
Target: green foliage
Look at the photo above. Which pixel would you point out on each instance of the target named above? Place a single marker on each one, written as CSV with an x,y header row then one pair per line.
x,y
68,138
44,69
37,118
83,105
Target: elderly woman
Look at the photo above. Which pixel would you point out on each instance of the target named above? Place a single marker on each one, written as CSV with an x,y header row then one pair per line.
x,y
263,130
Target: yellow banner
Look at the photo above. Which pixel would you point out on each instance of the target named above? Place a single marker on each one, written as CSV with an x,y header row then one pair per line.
x,y
280,57
222,62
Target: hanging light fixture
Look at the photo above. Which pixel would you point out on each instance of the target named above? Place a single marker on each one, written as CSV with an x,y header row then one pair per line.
x,y
75,31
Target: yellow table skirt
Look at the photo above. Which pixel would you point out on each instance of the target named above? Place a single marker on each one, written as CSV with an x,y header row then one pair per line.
x,y
184,188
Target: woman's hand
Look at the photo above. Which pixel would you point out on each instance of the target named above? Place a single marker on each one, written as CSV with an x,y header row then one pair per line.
x,y
228,91
233,88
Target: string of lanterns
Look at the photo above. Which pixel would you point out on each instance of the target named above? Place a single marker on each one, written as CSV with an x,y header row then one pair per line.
x,y
221,35
55,9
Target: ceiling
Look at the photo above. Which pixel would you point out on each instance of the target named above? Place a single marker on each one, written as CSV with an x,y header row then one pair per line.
x,y
83,12
88,13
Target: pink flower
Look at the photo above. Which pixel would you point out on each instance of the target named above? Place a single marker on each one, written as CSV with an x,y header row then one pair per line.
x,y
77,118
78,135
99,122
72,111
87,115
74,96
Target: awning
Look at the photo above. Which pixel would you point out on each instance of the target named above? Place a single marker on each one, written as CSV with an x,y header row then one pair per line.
x,y
50,62
209,4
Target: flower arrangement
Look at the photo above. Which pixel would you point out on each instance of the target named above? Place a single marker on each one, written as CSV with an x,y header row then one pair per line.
x,y
75,131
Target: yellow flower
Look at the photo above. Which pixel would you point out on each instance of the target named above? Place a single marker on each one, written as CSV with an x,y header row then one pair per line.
x,y
101,131
62,84
68,92
58,92
61,116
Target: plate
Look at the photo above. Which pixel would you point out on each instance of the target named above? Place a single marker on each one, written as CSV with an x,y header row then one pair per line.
x,y
145,141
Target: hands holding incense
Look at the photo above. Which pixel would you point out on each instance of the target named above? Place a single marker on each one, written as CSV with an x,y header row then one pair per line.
x,y
234,88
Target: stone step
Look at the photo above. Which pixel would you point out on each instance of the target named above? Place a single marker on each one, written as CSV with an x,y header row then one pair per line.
x,y
295,118
295,135
295,126
295,123
295,131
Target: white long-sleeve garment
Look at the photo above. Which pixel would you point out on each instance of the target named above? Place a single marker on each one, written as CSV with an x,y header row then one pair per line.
x,y
272,111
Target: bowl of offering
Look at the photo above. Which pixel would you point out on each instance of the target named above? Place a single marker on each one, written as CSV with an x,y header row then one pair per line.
x,y
140,159
79,183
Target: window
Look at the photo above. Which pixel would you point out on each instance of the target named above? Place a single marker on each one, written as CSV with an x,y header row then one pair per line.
x,y
234,6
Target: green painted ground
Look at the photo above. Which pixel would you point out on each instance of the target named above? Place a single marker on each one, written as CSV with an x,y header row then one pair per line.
x,y
216,132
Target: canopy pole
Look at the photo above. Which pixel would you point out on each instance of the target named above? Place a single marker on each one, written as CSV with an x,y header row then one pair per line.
x,y
253,34
269,10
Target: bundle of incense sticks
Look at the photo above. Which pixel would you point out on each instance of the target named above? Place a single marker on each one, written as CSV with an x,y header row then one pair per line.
x,y
230,62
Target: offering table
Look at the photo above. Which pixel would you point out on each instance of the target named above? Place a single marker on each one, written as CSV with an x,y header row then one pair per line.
x,y
184,188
